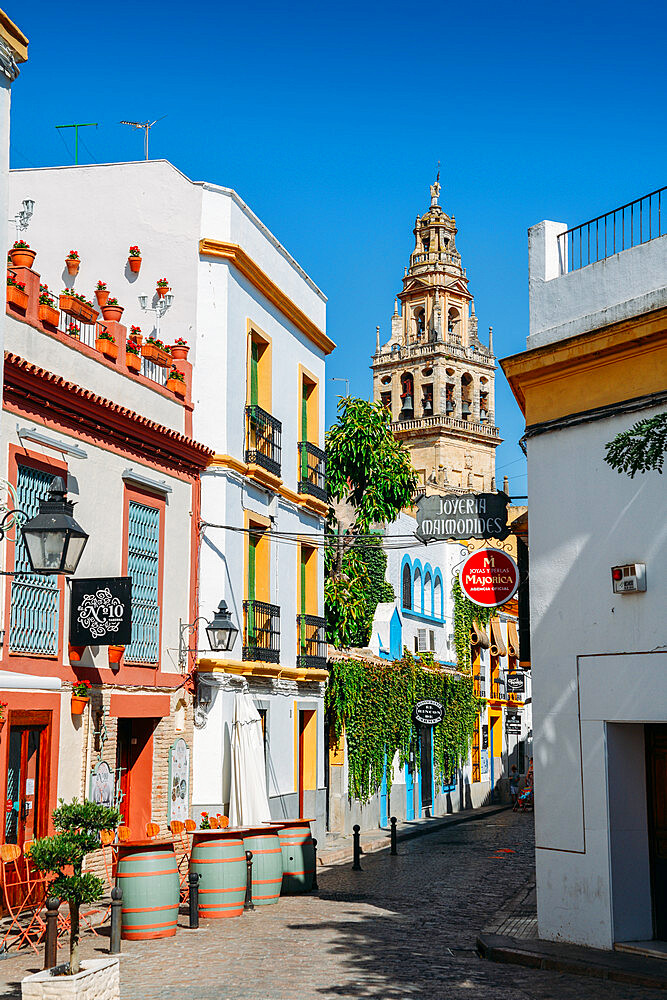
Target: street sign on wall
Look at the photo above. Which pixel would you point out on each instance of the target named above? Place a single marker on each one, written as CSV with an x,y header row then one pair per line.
x,y
101,611
489,577
472,515
516,683
428,712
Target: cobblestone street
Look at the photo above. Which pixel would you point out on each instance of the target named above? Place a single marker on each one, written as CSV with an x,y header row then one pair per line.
x,y
404,927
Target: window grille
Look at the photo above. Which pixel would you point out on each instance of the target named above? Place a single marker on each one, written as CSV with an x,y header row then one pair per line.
x,y
407,588
35,598
143,565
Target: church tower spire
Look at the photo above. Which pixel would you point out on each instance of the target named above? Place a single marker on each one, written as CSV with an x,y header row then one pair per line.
x,y
434,373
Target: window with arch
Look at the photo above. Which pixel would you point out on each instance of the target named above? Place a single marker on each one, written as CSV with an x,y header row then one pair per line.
x,y
420,316
437,598
417,602
467,388
453,320
428,594
407,587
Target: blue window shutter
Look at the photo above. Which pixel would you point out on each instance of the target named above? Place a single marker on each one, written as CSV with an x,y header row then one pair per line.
x,y
35,599
143,565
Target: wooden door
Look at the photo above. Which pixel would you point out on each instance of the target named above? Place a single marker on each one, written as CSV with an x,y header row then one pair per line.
x,y
426,757
27,783
656,771
134,764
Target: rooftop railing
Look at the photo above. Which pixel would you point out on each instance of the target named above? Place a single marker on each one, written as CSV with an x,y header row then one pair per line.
x,y
627,226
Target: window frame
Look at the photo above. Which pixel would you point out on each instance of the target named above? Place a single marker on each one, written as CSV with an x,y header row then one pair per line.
x,y
147,499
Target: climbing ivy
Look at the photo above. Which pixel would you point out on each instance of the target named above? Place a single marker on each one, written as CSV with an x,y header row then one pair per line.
x,y
374,559
465,614
372,703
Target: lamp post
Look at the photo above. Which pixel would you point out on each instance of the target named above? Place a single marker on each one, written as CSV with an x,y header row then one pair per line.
x,y
54,541
159,309
22,218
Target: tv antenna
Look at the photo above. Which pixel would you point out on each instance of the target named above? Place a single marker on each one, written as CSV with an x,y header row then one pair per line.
x,y
76,128
146,126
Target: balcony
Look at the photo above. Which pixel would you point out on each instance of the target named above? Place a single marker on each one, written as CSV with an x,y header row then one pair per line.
x,y
312,470
451,423
311,642
261,631
263,439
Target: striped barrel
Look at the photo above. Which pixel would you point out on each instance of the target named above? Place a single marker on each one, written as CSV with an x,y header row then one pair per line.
x,y
220,863
267,866
149,880
298,853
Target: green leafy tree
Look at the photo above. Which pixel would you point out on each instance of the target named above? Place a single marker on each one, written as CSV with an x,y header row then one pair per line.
x,y
78,828
370,480
641,448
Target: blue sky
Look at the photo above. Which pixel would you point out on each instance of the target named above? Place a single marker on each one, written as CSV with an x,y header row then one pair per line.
x,y
329,121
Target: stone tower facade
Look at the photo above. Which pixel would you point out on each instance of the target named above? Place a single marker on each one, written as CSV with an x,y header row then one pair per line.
x,y
434,374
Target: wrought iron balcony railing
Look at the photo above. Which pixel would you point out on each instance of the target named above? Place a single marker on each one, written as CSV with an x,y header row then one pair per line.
x,y
263,439
261,631
312,470
311,641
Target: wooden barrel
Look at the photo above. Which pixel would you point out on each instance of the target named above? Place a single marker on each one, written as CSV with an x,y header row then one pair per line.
x,y
298,854
220,863
148,876
267,864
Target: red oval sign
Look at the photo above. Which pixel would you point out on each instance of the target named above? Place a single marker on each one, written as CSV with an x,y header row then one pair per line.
x,y
489,577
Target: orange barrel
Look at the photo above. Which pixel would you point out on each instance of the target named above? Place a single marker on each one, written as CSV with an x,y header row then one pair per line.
x,y
267,863
148,875
218,857
298,853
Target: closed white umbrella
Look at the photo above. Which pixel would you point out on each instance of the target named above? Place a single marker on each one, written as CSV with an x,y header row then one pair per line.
x,y
248,801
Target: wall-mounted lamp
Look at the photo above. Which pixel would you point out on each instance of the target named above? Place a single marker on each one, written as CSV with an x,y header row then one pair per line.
x,y
221,633
22,218
159,309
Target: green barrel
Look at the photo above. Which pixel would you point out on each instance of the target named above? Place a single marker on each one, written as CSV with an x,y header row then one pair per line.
x,y
267,866
298,853
221,865
149,880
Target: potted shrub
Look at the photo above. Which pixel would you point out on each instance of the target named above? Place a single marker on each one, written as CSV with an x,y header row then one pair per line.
x,y
154,350
16,293
162,287
134,260
112,311
133,356
135,335
115,653
176,381
179,349
73,262
101,293
106,345
78,827
74,304
47,311
21,255
74,331
80,697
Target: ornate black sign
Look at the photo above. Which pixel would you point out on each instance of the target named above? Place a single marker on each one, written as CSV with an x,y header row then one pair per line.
x,y
471,515
516,683
485,737
428,712
513,723
101,612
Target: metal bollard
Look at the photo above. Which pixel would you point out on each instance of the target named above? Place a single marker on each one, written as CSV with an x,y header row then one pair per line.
x,y
51,941
248,905
393,835
116,904
315,885
356,866
193,899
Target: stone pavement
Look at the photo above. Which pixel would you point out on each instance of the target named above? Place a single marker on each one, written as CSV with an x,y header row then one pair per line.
x,y
403,928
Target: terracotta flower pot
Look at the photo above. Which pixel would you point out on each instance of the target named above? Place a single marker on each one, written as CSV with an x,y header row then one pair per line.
x,y
179,352
156,355
136,338
162,291
116,652
133,361
101,294
73,265
112,313
80,310
107,347
75,653
175,385
78,704
135,264
49,315
17,297
23,258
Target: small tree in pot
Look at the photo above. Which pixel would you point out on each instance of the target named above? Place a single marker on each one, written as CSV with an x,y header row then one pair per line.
x,y
78,828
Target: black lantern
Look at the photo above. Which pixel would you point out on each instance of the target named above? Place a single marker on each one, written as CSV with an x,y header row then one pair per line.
x,y
221,630
53,539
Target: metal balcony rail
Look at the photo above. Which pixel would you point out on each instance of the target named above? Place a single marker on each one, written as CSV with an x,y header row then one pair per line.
x,y
312,470
627,226
311,642
261,631
88,334
156,373
263,439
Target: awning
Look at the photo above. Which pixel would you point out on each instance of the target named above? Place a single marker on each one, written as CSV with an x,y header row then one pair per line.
x,y
479,636
140,706
497,641
13,681
512,639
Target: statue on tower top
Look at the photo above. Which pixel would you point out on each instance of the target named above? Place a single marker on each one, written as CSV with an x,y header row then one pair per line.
x,y
435,189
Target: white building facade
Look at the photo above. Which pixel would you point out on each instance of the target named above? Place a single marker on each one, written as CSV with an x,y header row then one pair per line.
x,y
596,362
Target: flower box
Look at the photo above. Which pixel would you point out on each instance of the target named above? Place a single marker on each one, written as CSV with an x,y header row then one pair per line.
x,y
175,385
49,314
22,256
17,297
156,354
109,348
133,361
99,979
74,307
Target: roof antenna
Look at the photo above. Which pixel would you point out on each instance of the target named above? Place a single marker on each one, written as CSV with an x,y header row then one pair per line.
x,y
76,128
146,126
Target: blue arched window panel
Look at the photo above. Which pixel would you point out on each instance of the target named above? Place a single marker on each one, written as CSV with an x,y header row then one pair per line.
x,y
438,596
406,584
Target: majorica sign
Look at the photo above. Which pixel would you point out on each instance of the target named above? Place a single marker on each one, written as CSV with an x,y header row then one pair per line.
x,y
489,577
473,515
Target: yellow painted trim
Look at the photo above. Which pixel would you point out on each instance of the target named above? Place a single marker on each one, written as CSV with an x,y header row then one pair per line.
x,y
257,668
14,37
262,557
269,289
310,750
296,745
609,365
264,366
312,404
265,479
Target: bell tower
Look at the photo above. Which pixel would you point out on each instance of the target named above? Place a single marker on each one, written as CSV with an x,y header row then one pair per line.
x,y
434,373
